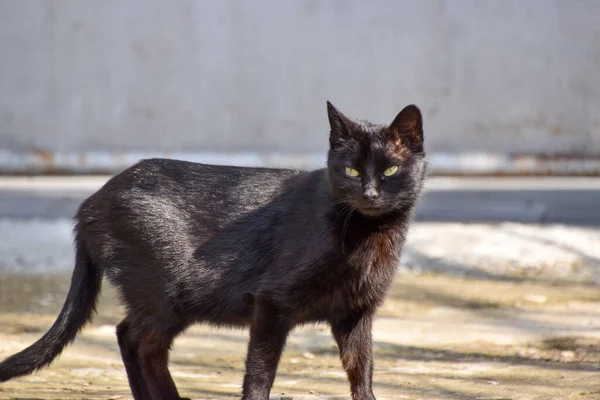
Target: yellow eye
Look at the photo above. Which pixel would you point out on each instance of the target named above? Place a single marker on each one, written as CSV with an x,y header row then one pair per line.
x,y
391,171
352,172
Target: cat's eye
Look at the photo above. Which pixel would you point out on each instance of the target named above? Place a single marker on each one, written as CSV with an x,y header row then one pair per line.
x,y
352,172
390,171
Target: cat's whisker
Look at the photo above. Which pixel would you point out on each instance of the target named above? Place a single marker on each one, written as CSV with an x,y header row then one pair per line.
x,y
345,225
341,212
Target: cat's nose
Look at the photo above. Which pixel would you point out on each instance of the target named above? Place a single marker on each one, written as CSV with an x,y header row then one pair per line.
x,y
371,194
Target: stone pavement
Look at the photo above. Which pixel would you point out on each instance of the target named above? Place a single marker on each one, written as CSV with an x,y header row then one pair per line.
x,y
436,337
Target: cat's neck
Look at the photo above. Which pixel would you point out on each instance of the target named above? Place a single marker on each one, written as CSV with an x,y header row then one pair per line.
x,y
349,220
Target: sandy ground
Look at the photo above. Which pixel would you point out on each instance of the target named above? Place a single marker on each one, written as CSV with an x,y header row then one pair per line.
x,y
436,337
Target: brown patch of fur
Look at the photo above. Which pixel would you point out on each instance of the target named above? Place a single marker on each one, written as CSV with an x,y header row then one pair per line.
x,y
349,360
397,149
384,250
153,353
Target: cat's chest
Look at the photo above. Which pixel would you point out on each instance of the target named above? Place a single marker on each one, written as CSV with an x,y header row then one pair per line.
x,y
369,269
359,290
375,253
359,282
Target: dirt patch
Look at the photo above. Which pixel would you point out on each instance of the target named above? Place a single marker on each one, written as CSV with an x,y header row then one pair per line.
x,y
436,337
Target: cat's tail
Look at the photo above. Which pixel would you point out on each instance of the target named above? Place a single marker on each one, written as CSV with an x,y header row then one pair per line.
x,y
76,312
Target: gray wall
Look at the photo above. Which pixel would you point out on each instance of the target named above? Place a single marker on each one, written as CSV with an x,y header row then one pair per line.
x,y
490,75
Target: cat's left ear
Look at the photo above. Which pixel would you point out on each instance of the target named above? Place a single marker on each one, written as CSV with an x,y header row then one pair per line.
x,y
407,128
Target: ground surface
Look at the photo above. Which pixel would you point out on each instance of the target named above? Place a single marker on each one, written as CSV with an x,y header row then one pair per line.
x,y
437,337
490,303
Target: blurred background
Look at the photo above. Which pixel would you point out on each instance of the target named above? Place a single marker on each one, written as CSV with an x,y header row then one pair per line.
x,y
505,86
498,291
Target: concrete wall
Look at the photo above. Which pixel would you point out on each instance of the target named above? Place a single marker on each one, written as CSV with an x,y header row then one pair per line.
x,y
501,76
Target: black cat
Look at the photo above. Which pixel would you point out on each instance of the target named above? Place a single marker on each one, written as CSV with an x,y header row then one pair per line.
x,y
230,246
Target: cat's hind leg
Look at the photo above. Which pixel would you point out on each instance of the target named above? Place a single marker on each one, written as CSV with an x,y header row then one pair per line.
x,y
129,354
145,352
153,357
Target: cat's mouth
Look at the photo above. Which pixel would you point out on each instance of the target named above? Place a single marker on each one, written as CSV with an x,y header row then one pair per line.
x,y
372,210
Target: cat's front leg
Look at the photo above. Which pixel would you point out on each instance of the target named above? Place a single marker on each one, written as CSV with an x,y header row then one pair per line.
x,y
268,334
353,336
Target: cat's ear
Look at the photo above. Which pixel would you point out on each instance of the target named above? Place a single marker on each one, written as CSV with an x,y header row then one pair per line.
x,y
407,128
340,125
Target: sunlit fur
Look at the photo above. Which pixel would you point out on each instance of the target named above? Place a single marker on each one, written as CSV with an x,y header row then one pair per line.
x,y
268,249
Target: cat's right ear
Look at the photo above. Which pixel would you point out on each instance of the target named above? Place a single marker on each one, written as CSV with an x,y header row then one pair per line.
x,y
340,125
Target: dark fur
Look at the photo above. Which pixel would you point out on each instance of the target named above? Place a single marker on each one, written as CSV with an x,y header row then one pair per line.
x,y
230,246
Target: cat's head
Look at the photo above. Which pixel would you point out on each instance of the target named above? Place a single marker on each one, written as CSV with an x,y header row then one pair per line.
x,y
376,169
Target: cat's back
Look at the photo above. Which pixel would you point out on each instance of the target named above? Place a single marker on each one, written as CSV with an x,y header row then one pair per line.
x,y
172,189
